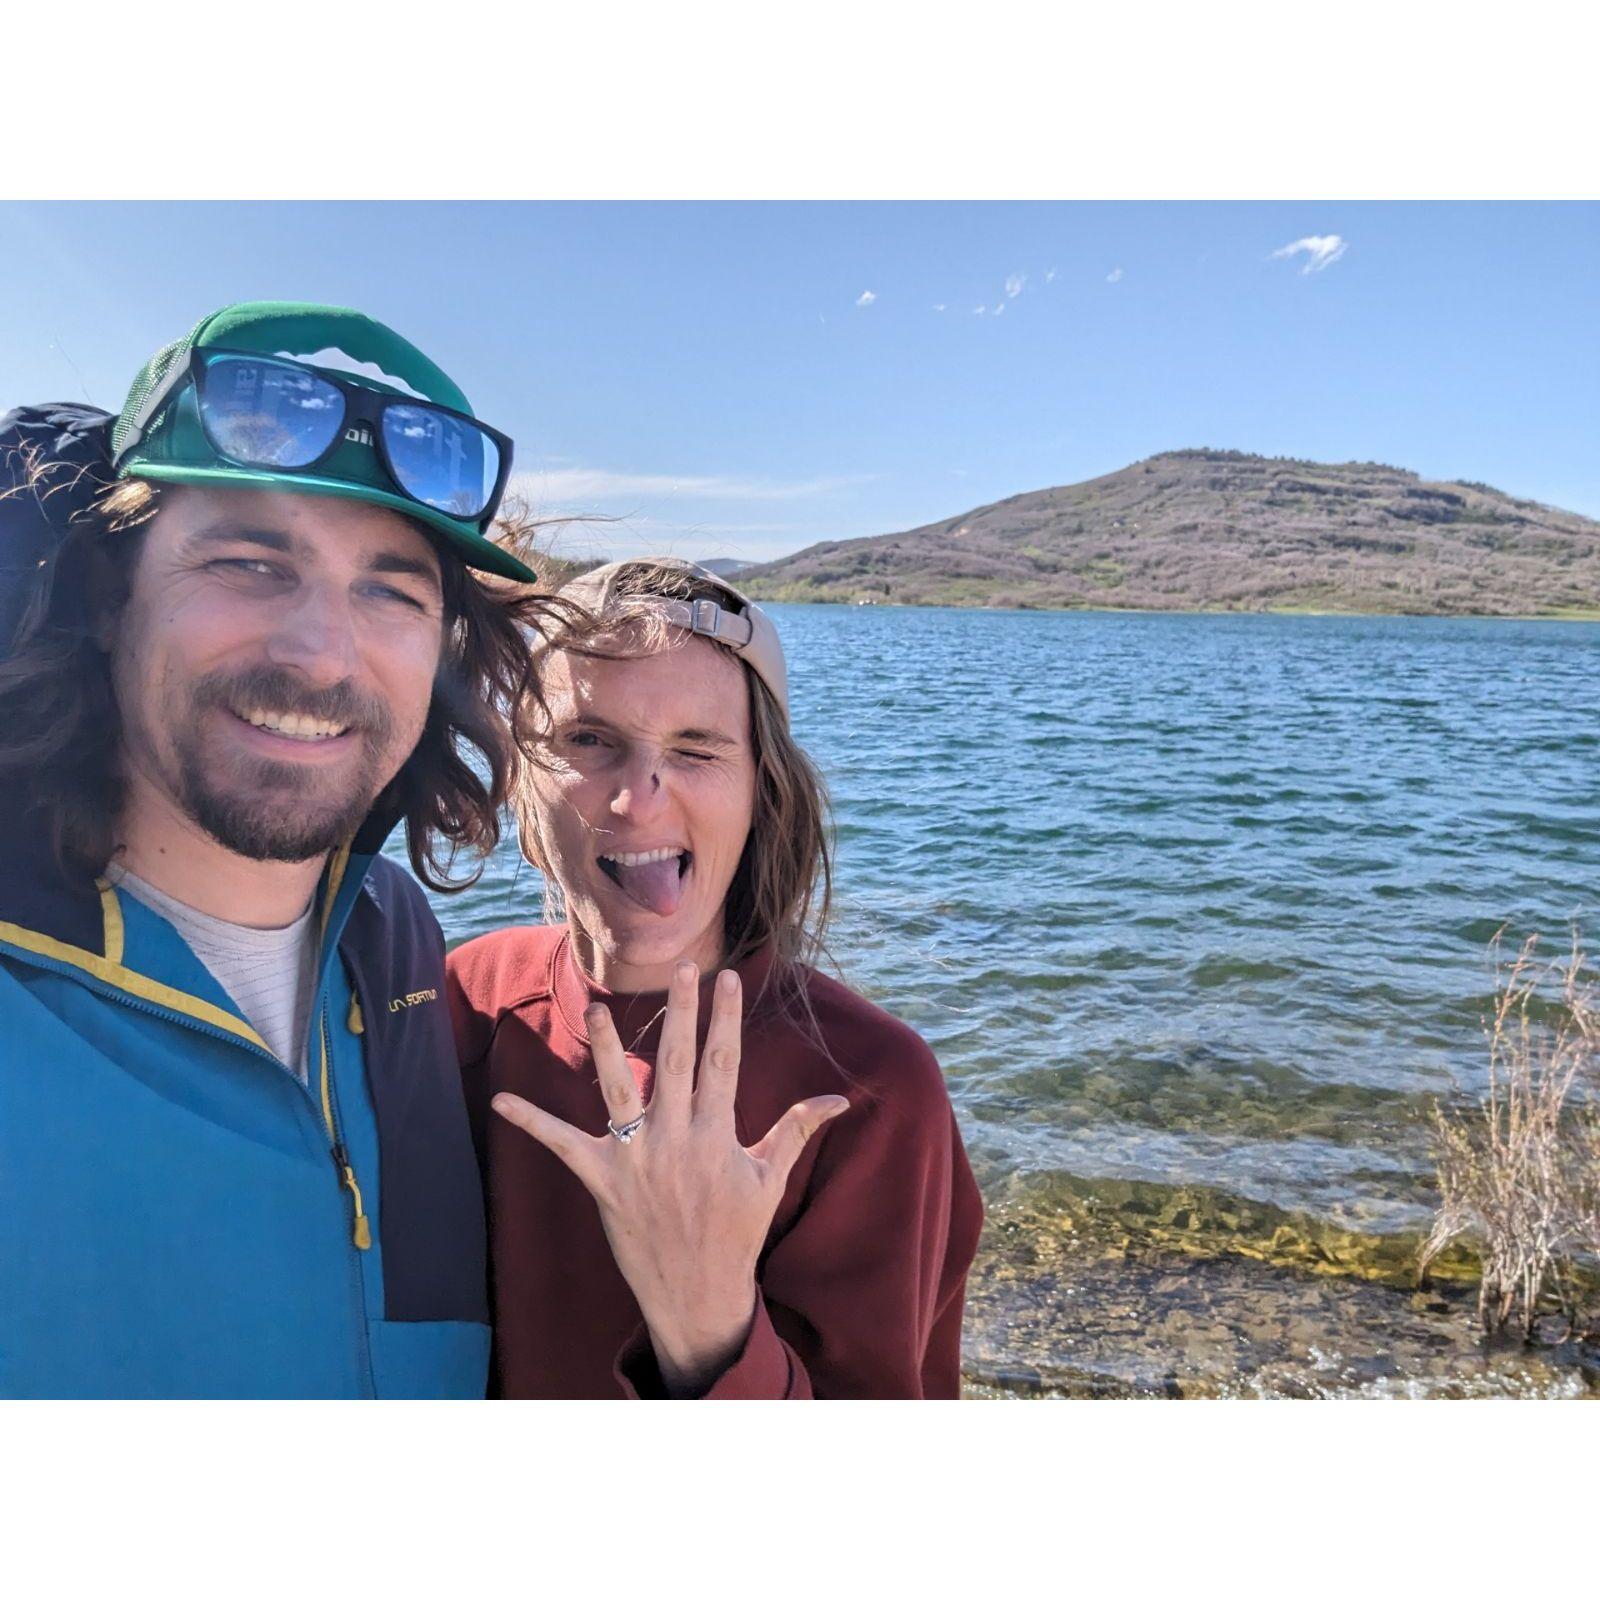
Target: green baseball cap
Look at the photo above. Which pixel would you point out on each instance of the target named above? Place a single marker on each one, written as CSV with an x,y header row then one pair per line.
x,y
158,434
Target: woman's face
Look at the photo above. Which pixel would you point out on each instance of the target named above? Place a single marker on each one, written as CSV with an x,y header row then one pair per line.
x,y
644,804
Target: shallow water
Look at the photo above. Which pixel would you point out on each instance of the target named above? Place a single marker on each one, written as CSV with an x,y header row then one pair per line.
x,y
1194,911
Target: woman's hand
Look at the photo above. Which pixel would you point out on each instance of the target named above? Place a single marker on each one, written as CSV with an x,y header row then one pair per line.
x,y
685,1206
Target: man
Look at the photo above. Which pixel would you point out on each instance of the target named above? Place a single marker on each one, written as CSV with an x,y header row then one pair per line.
x,y
233,1155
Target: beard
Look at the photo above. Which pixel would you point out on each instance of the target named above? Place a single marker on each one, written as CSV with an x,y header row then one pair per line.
x,y
269,810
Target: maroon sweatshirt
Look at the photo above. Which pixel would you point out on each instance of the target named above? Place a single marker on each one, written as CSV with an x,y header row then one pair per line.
x,y
864,1270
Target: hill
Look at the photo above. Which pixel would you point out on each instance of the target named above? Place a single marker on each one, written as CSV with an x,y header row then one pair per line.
x,y
1199,530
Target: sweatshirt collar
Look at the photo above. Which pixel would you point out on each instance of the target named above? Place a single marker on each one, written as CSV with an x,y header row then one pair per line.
x,y
638,1017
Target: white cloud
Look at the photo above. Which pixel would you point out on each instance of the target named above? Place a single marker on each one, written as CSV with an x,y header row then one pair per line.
x,y
938,308
1014,284
569,486
1000,310
647,535
1320,250
867,297
980,311
1114,275
1050,276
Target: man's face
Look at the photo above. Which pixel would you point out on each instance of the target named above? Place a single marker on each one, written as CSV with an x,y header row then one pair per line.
x,y
646,797
275,661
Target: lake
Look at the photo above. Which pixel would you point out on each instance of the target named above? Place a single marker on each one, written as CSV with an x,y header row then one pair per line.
x,y
1195,911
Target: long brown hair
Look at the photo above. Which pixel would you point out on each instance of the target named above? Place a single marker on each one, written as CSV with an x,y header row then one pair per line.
x,y
60,728
781,894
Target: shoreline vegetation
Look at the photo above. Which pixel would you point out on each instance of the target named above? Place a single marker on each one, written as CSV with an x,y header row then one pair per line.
x,y
1573,614
1221,531
1519,1168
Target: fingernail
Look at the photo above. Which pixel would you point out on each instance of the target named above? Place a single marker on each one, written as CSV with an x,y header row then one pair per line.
x,y
595,1013
728,980
687,971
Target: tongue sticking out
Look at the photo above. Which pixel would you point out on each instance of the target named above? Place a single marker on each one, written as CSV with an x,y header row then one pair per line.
x,y
657,885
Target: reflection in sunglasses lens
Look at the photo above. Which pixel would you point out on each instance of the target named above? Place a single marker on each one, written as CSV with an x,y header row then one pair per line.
x,y
443,461
266,414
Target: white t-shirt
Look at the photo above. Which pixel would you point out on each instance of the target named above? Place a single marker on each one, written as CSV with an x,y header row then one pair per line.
x,y
270,973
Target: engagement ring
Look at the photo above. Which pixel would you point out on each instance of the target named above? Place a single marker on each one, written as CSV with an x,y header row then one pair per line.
x,y
626,1132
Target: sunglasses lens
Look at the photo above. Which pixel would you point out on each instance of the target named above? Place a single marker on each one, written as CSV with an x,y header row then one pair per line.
x,y
445,462
265,414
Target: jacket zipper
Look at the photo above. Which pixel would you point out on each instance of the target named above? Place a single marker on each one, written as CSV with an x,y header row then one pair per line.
x,y
360,1230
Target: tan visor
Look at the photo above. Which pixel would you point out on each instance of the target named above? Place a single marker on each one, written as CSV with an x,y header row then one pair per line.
x,y
738,622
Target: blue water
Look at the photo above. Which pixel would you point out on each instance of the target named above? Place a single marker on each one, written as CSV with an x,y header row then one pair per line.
x,y
1188,903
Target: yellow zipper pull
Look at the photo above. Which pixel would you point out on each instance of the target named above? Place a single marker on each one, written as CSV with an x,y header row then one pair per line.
x,y
362,1231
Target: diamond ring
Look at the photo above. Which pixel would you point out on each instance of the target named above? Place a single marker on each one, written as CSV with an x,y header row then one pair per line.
x,y
625,1133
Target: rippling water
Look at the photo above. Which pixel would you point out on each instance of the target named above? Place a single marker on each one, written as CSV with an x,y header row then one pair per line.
x,y
1194,910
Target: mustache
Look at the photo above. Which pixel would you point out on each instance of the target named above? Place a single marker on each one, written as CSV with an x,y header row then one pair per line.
x,y
275,689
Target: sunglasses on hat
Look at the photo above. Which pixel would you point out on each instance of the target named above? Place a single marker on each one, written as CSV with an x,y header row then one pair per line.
x,y
272,413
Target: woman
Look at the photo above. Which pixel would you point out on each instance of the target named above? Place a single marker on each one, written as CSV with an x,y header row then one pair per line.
x,y
753,1251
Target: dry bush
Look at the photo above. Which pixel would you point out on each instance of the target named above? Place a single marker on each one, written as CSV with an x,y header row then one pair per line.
x,y
1519,1173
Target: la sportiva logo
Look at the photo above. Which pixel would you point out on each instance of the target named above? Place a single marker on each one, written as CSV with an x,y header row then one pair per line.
x,y
418,997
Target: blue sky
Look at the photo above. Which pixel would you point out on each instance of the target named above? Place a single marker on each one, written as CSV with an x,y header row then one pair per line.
x,y
746,379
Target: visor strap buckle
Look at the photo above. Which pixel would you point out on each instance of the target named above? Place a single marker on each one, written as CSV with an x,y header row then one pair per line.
x,y
705,616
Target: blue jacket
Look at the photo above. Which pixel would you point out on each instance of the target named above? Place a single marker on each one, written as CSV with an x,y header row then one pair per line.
x,y
179,1214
